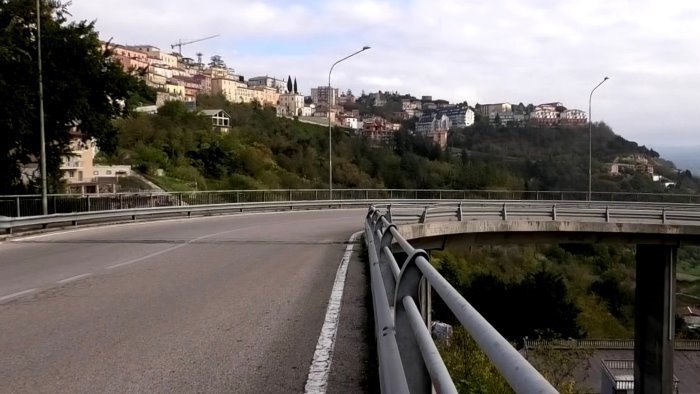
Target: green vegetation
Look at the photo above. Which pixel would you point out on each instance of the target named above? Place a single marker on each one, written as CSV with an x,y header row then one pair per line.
x,y
262,150
581,291
549,292
83,91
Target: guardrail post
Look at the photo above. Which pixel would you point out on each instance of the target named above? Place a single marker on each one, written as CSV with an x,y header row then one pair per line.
x,y
426,302
504,212
607,214
417,375
290,194
18,207
387,275
663,216
88,203
460,213
388,213
554,212
424,216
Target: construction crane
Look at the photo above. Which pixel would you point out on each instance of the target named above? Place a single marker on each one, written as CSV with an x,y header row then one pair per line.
x,y
179,44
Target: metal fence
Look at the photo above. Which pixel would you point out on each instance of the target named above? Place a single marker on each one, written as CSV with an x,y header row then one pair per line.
x,y
30,205
617,344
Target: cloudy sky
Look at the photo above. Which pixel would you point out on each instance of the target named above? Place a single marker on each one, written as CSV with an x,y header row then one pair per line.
x,y
529,51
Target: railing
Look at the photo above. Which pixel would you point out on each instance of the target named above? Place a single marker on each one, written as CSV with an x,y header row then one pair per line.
x,y
409,360
9,224
30,205
617,344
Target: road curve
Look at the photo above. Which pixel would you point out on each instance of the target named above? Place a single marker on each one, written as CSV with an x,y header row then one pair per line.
x,y
216,304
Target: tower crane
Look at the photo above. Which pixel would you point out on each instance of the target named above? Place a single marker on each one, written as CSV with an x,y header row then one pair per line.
x,y
179,43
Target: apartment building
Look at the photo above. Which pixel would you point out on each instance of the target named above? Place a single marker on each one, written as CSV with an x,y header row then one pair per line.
x,y
460,116
234,90
488,109
324,98
279,85
573,117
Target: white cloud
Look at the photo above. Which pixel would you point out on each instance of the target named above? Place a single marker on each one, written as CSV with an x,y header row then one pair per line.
x,y
479,51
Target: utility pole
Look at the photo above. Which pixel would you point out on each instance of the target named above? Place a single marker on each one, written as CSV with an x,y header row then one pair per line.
x,y
42,136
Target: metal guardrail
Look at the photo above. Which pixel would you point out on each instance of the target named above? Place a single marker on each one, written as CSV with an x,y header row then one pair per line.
x,y
402,328
401,295
617,344
30,205
9,224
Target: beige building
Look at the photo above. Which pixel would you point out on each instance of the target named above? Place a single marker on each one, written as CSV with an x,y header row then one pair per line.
x,y
267,96
83,176
168,59
78,167
291,104
175,90
235,90
129,58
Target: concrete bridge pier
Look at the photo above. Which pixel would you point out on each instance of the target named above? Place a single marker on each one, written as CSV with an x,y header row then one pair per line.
x,y
654,318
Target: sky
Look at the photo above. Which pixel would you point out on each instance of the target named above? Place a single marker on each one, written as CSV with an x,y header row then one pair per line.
x,y
479,51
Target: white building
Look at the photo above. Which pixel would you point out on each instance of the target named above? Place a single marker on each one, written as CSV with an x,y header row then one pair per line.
x,y
460,116
352,123
308,111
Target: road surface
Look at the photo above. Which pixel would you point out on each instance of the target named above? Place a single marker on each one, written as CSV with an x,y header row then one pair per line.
x,y
214,304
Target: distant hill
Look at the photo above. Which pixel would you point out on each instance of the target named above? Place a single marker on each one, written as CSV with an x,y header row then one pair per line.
x,y
684,157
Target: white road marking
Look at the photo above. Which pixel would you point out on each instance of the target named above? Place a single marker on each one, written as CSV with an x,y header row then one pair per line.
x,y
193,240
148,256
72,278
17,294
317,380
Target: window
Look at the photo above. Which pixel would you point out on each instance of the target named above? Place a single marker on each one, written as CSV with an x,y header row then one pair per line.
x,y
109,172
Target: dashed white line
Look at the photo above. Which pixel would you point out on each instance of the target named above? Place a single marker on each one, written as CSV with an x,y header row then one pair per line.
x,y
148,256
317,380
17,294
72,278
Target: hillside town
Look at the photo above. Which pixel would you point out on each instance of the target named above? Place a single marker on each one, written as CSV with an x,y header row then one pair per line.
x,y
377,116
175,77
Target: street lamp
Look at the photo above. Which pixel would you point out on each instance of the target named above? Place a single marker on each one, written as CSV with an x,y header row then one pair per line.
x,y
42,137
330,126
590,138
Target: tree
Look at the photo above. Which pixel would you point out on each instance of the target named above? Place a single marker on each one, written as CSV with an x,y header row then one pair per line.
x,y
83,90
295,85
217,61
289,84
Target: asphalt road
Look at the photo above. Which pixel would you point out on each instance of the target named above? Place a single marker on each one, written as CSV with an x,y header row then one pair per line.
x,y
215,304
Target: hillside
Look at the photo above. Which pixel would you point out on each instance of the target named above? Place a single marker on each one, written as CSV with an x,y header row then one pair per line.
x,y
262,150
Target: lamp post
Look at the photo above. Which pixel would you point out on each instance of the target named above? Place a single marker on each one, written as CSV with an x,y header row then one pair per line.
x,y
330,126
42,137
590,138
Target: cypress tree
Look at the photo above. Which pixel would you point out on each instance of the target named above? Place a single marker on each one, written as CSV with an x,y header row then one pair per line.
x,y
295,85
289,84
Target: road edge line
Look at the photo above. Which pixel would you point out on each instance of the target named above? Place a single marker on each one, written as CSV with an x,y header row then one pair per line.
x,y
319,371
